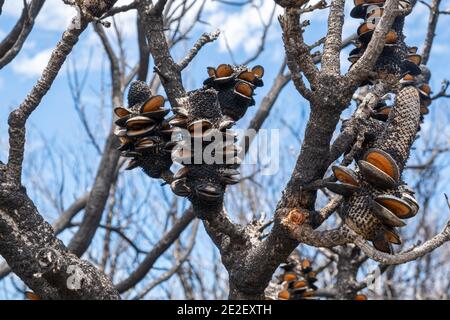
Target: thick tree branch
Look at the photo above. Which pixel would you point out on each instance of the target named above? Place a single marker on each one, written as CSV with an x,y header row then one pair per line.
x,y
32,251
58,225
332,46
365,64
263,257
297,52
168,71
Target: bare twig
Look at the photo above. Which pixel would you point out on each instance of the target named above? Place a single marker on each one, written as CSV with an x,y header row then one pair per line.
x,y
203,40
403,257
166,241
262,42
365,64
443,91
431,30
177,265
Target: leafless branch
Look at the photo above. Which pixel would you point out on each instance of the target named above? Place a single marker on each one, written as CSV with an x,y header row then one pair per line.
x,y
431,30
332,46
400,258
204,39
177,265
13,42
166,241
262,42
365,64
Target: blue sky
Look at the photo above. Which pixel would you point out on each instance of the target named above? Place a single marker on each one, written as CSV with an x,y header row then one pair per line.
x,y
57,121
241,29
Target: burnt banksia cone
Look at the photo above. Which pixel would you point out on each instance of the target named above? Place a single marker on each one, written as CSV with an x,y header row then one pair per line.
x,y
207,150
201,179
377,201
235,86
197,136
297,280
144,134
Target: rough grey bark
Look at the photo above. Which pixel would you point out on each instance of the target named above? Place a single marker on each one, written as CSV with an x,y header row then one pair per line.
x,y
58,225
27,241
168,70
42,261
250,259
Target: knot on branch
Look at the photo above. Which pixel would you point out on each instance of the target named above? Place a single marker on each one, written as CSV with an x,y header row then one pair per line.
x,y
297,217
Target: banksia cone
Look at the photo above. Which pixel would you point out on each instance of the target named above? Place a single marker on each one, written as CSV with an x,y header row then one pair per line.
x,y
376,199
143,133
203,118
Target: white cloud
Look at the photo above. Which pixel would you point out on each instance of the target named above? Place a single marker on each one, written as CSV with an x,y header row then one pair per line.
x,y
31,66
54,15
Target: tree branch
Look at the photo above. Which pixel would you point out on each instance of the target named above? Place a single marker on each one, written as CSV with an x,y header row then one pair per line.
x,y
163,244
144,52
204,39
105,176
41,260
332,46
403,257
367,61
167,69
169,273
431,30
297,52
58,225
18,117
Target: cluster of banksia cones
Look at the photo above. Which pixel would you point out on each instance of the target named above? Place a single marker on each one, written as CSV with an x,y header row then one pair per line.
x,y
207,115
297,280
376,199
397,59
201,121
